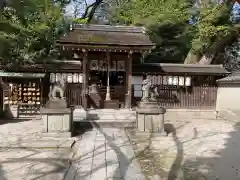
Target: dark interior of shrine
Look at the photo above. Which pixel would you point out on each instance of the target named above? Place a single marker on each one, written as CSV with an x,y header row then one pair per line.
x,y
116,78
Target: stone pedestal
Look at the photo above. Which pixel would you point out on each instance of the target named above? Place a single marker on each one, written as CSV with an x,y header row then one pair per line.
x,y
57,118
111,104
150,117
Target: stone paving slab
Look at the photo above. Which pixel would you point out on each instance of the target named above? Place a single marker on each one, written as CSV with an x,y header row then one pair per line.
x,y
27,154
105,115
104,154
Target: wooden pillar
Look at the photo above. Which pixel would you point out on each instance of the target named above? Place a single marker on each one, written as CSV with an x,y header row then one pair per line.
x,y
108,93
85,79
128,100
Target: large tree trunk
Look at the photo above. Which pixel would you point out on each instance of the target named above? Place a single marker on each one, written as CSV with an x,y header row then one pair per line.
x,y
206,58
191,58
218,46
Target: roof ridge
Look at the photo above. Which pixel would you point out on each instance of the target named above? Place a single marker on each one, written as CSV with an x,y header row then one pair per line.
x,y
109,28
188,65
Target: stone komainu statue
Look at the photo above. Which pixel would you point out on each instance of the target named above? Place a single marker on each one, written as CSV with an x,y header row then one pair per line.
x,y
149,90
57,90
146,85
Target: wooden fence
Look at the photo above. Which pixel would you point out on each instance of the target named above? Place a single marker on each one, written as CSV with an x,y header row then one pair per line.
x,y
74,94
200,93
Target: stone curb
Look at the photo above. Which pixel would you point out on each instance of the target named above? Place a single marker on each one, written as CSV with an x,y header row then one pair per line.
x,y
190,110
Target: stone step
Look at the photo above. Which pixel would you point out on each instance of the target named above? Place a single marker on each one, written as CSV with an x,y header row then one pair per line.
x,y
105,123
54,135
121,124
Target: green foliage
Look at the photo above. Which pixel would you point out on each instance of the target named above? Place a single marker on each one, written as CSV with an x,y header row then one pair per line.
x,y
232,56
151,12
168,25
80,20
213,26
29,30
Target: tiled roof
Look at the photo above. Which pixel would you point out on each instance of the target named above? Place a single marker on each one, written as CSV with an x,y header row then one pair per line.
x,y
106,35
231,78
180,68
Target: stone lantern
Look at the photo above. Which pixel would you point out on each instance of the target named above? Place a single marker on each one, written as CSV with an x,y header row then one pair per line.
x,y
150,115
55,114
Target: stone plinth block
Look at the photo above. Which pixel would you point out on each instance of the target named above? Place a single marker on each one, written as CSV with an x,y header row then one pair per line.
x,y
57,120
150,119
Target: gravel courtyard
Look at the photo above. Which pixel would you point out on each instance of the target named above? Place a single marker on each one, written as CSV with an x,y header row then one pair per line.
x,y
195,149
18,162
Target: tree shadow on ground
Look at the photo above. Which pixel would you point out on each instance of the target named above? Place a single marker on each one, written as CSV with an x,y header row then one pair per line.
x,y
125,162
81,128
2,173
218,158
34,165
152,161
7,121
223,163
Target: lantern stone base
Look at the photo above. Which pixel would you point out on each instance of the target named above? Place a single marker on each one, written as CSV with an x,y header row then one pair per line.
x,y
57,120
150,117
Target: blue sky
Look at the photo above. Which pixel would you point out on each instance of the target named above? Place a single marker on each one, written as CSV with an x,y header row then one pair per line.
x,y
70,8
236,7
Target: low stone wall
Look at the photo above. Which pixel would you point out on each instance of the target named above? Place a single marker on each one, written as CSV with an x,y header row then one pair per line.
x,y
228,97
188,114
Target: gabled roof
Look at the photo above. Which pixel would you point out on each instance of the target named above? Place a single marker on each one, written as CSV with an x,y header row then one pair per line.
x,y
107,36
231,78
180,68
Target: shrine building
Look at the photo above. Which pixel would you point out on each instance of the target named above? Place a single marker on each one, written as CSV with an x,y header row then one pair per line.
x,y
104,67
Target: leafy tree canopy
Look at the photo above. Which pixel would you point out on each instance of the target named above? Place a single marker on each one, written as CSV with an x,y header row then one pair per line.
x,y
29,30
181,29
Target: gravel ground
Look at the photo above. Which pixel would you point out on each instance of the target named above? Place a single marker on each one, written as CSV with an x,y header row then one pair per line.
x,y
198,149
18,163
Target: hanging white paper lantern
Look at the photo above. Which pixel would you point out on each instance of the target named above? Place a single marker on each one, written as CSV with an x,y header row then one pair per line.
x,y
64,76
58,77
181,81
69,78
175,80
75,78
52,78
188,81
80,79
170,80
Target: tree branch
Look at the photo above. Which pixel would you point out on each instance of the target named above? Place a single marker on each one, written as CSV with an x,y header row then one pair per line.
x,y
91,9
